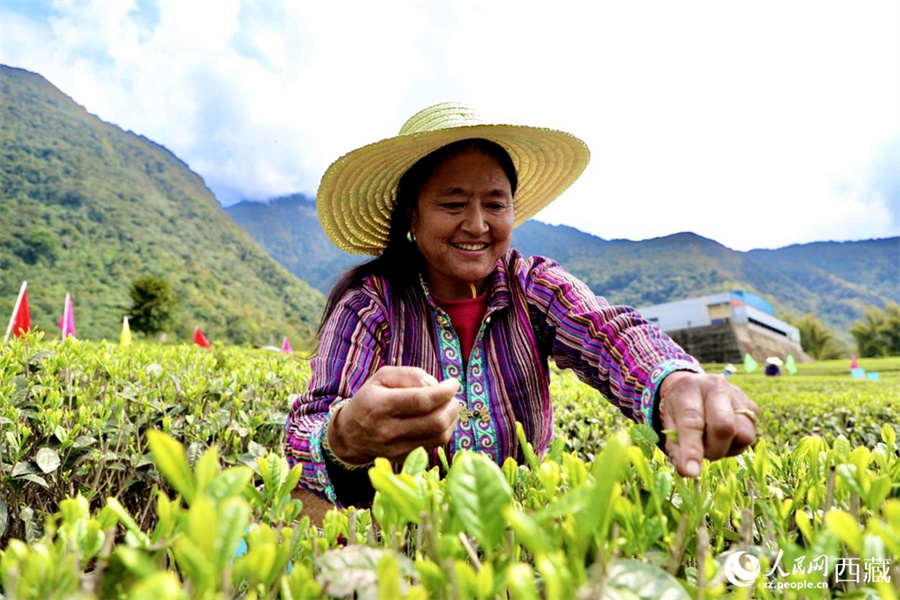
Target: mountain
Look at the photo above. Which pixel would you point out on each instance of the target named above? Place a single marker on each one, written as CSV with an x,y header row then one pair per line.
x,y
833,280
836,281
87,207
288,229
839,277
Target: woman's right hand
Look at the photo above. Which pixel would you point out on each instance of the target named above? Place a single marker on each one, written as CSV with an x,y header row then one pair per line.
x,y
397,410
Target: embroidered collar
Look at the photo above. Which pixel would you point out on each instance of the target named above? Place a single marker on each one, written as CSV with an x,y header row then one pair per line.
x,y
497,285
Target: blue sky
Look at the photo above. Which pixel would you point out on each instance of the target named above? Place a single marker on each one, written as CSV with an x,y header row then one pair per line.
x,y
757,124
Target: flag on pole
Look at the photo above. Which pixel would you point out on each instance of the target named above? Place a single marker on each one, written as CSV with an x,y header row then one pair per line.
x,y
749,364
200,339
789,365
286,346
67,320
125,338
20,322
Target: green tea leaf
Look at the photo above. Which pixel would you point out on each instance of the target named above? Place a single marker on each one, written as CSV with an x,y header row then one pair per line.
x,y
608,470
557,448
478,494
888,435
416,462
647,582
205,469
527,449
196,565
850,475
126,519
570,503
879,488
804,524
353,570
22,468
520,582
510,468
162,585
841,447
431,575
388,577
36,479
574,470
527,530
484,582
465,578
845,527
556,575
4,516
47,459
233,518
548,475
398,492
861,457
645,438
136,561
229,483
171,460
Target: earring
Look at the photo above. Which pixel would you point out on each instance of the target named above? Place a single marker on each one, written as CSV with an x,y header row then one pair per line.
x,y
411,237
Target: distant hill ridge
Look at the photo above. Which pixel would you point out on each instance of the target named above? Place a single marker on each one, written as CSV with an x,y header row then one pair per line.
x,y
87,207
834,280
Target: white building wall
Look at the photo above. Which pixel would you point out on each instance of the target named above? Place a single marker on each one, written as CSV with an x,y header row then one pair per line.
x,y
693,312
678,315
790,331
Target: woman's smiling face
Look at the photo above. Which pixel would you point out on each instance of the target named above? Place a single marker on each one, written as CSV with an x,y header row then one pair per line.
x,y
463,222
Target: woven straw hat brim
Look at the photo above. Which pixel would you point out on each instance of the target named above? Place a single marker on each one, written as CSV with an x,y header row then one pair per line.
x,y
357,193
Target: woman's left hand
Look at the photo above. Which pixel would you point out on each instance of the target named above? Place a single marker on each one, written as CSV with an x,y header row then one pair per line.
x,y
713,419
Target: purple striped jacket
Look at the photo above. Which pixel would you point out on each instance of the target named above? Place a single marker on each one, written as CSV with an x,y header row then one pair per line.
x,y
536,311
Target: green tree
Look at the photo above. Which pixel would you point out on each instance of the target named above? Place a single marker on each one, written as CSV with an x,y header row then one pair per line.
x,y
878,334
152,305
38,243
890,332
816,340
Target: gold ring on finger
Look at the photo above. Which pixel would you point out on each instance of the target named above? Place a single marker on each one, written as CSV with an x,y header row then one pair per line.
x,y
747,413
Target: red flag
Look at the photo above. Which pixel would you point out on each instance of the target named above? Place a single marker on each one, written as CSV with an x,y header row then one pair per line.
x,y
286,346
22,317
200,339
853,363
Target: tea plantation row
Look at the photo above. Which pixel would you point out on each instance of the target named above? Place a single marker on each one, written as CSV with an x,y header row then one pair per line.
x,y
137,472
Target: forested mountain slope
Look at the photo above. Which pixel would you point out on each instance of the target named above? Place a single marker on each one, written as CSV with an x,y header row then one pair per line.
x,y
86,208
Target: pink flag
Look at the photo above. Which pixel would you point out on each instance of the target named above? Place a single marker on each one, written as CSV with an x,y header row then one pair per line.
x,y
853,363
67,320
286,346
200,339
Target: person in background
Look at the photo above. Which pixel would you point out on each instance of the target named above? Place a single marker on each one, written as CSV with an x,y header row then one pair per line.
x,y
443,340
773,366
729,370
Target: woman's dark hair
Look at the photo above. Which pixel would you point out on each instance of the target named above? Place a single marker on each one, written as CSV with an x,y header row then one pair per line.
x,y
401,262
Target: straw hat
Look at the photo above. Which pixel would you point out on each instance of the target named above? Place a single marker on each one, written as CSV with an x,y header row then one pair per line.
x,y
774,360
357,193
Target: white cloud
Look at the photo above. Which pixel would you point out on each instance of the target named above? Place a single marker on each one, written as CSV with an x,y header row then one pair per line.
x,y
750,123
